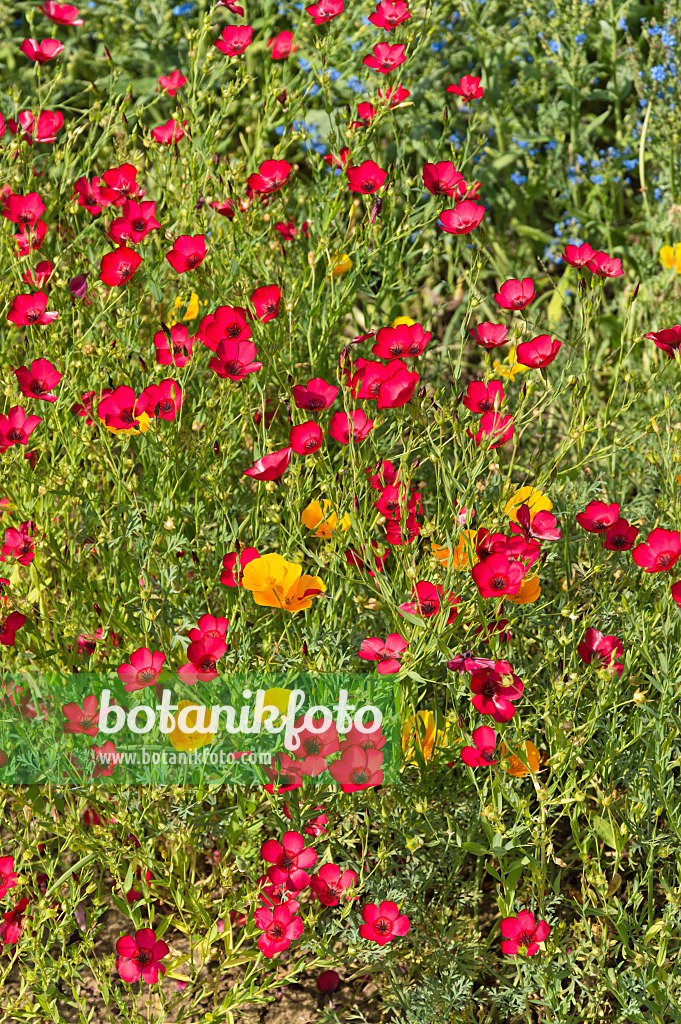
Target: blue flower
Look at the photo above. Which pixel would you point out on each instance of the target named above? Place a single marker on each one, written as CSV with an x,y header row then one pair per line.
x,y
439,45
551,144
518,179
596,179
554,46
355,84
182,9
629,165
654,30
622,24
334,75
658,194
304,65
668,38
356,45
658,73
580,38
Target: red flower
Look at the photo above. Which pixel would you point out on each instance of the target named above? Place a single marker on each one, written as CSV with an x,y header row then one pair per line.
x,y
163,400
120,408
202,654
366,112
396,384
40,276
314,395
265,302
621,536
660,552
282,45
83,720
141,957
174,350
172,83
443,179
383,474
389,14
463,219
234,564
494,690
231,6
18,545
43,130
578,255
403,341
366,177
515,294
482,754
605,266
387,653
306,438
597,647
394,95
480,398
84,407
227,323
30,309
597,516
23,210
270,177
427,600
234,359
12,923
342,428
39,381
541,351
669,339
494,430
188,252
13,623
340,160
119,266
209,627
328,982
280,929
120,183
171,131
270,467
358,768
542,526
289,859
352,557
8,878
41,52
142,670
325,10
30,238
468,86
497,575
329,884
234,39
521,933
16,427
385,57
676,592
225,207
489,335
63,14
89,195
383,923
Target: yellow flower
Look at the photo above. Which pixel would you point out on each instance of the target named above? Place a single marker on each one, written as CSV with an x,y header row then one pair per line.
x,y
192,307
278,698
143,421
264,572
340,264
276,583
529,591
403,320
671,257
516,766
420,732
189,740
460,557
319,517
536,501
509,371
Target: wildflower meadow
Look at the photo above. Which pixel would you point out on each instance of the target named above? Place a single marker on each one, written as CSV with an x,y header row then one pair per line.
x,y
340,512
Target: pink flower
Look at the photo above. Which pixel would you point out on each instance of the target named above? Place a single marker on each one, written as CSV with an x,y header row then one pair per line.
x,y
494,690
82,720
41,52
63,14
280,929
171,131
314,395
468,86
389,14
366,177
463,219
481,755
358,768
342,428
39,381
660,552
489,335
325,10
143,669
27,310
188,252
521,933
383,923
289,860
480,398
270,467
578,255
494,430
16,427
668,340
605,266
597,516
234,360
265,302
8,878
540,351
172,83
515,294
270,177
496,575
387,653
306,438
597,647
385,57
281,45
329,884
234,39
141,957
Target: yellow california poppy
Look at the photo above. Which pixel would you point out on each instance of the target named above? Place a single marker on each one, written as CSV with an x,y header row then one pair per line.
x,y
403,321
320,517
264,572
276,583
189,740
536,501
670,257
419,733
340,264
511,367
515,765
529,592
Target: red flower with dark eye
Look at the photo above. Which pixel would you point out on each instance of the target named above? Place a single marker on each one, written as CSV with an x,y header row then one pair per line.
x,y
578,255
89,196
270,176
18,544
203,655
366,177
120,183
329,884
234,360
289,860
38,277
482,754
142,670
225,207
325,10
8,628
172,83
427,601
494,690
12,923
234,564
227,323
16,427
394,95
8,877
63,14
386,652
366,112
171,131
621,536
540,351
314,395
137,221
281,45
357,427
660,552
466,217
389,14
599,648
82,720
270,467
41,52
234,39
29,310
481,398
306,438
597,516
468,87
521,932
140,957
489,335
119,266
443,179
39,381
265,302
23,210
385,58
163,400
383,923
340,160
497,575
494,430
668,340
515,294
404,341
174,350
603,265
30,238
358,768
44,129
188,252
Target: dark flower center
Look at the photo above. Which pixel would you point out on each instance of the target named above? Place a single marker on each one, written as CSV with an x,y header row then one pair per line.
x,y
312,746
126,416
166,404
429,607
139,224
315,403
485,405
207,664
178,350
234,367
619,540
360,776
383,926
32,317
38,387
498,583
287,861
233,331
665,558
15,434
525,939
147,675
270,308
192,261
144,957
275,930
368,184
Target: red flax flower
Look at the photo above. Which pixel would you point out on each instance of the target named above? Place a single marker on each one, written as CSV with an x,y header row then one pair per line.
x,y
389,14
121,410
89,196
232,7
23,210
660,552
227,323
171,131
12,923
234,564
27,310
394,95
164,400
265,302
281,45
314,395
366,112
329,884
482,753
40,275
39,381
16,427
340,160
8,878
17,544
540,351
468,87
342,428
8,628
595,647
142,670
385,57
63,14
494,430
383,923
480,398
443,179
358,768
386,652
515,294
30,238
120,183
270,176
280,929
521,933
621,536
578,255
496,575
306,438
466,217
494,690
234,39
234,360
401,342
668,340
489,335
140,957
289,860
175,350
603,265
597,516
188,252
203,655
366,177
209,627
83,720
44,129
325,10
42,51
270,467
427,600
118,266
172,83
